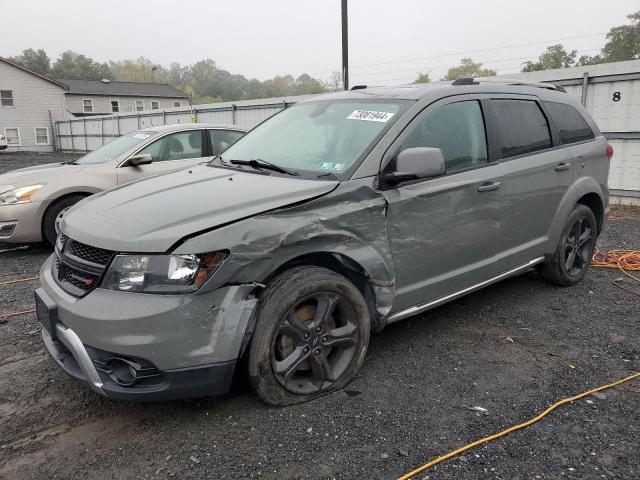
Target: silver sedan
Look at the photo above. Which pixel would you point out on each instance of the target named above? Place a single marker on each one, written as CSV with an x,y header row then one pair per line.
x,y
34,200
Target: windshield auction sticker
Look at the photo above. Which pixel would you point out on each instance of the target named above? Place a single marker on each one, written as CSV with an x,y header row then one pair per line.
x,y
370,116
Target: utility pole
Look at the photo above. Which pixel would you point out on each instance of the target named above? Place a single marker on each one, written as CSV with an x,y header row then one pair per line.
x,y
345,46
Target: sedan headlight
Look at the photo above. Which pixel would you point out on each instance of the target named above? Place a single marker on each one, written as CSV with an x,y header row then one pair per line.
x,y
161,273
19,195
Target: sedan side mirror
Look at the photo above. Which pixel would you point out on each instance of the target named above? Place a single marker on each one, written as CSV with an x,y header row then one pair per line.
x,y
416,163
139,159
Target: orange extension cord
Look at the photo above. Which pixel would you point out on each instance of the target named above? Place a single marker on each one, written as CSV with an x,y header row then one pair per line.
x,y
12,282
515,427
624,260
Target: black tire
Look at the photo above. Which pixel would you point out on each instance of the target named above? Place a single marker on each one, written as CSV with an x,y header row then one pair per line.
x,y
49,233
569,263
290,313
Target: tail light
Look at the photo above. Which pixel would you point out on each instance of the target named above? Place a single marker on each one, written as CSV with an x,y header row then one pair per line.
x,y
609,151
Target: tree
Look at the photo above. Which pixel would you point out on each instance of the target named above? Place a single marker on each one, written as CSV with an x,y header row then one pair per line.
x,y
335,82
72,65
623,41
468,68
554,56
36,60
423,78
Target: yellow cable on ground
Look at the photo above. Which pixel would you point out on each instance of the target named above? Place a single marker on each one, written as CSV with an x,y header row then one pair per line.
x,y
515,427
20,280
13,314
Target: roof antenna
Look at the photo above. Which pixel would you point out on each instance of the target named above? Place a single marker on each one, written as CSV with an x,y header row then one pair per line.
x,y
465,81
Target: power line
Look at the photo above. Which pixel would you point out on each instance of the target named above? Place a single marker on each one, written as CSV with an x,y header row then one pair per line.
x,y
486,63
466,52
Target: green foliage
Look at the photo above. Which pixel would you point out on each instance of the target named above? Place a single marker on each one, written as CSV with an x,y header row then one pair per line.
x,y
36,60
423,78
554,56
72,65
623,43
468,68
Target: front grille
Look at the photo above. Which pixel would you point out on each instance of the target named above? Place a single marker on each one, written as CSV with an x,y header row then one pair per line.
x,y
95,255
77,267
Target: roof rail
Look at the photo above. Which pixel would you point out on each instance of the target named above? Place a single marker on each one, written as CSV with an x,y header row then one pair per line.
x,y
506,81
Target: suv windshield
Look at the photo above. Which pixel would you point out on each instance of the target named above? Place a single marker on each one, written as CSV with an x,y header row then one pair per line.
x,y
114,149
318,139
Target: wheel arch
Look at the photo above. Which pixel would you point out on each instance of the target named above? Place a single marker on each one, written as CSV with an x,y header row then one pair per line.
x,y
343,265
54,201
595,203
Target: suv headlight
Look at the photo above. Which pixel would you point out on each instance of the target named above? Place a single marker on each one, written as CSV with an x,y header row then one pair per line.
x,y
19,195
161,273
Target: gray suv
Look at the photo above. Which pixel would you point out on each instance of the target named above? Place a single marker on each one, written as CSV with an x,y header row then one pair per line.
x,y
332,219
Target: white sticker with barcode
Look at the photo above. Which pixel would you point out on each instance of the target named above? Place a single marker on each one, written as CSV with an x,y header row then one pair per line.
x,y
370,116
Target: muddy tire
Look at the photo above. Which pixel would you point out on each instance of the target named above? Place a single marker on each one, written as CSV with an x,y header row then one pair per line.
x,y
569,263
311,336
53,215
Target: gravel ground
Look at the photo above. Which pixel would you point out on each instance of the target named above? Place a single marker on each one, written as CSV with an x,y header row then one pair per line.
x,y
513,348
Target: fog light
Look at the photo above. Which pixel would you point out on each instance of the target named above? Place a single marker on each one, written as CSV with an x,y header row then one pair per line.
x,y
7,228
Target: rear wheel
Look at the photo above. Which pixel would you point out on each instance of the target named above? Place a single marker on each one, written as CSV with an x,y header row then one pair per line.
x,y
572,257
311,336
53,216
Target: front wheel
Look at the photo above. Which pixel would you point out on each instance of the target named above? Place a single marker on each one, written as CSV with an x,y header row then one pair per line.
x,y
311,336
572,257
53,217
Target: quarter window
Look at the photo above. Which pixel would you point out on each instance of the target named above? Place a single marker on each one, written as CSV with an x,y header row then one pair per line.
x,y
572,127
6,98
457,130
176,146
42,136
139,105
521,127
115,106
13,136
87,105
154,105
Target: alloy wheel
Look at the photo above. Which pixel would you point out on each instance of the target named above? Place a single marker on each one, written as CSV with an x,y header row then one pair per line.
x,y
315,343
578,246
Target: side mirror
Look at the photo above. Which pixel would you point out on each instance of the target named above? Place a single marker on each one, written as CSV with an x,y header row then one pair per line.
x,y
415,163
139,159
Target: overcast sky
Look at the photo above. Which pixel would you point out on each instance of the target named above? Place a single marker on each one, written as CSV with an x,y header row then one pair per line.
x,y
390,40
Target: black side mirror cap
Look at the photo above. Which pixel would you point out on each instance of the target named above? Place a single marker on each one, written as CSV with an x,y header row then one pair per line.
x,y
139,159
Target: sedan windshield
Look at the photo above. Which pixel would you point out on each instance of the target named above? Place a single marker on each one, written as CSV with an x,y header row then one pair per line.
x,y
114,149
327,138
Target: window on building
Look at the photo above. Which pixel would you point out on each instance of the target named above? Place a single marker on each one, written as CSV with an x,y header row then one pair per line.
x,y
139,105
115,106
42,136
521,126
155,105
176,146
457,129
13,136
6,98
177,104
87,105
572,127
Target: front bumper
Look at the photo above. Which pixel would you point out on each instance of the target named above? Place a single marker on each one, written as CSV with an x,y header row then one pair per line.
x,y
27,221
191,342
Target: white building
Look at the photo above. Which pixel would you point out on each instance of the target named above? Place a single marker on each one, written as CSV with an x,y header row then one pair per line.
x,y
103,97
29,105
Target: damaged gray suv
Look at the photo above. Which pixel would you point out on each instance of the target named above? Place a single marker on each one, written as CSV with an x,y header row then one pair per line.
x,y
330,220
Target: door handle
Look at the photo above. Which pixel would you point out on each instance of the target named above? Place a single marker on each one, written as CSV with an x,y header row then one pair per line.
x,y
562,166
489,186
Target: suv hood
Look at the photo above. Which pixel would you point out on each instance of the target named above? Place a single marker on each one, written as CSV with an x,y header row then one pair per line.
x,y
153,214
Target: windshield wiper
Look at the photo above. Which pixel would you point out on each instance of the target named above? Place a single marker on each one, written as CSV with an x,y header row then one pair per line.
x,y
259,163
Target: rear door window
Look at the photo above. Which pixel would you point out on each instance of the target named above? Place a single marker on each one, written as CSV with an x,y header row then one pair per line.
x,y
222,139
571,125
457,129
521,127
